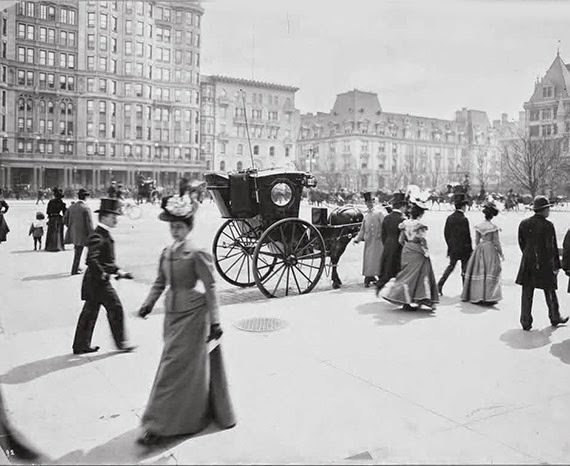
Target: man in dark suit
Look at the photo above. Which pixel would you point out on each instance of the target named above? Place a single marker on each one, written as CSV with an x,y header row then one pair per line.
x,y
96,289
540,263
392,252
458,239
79,227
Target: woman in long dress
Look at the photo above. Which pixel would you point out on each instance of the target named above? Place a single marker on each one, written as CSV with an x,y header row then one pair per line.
x,y
483,274
55,211
415,286
190,387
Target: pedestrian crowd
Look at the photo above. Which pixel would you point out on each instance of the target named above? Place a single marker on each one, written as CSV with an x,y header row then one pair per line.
x,y
397,258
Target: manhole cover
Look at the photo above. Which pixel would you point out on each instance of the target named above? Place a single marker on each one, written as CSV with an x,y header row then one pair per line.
x,y
261,324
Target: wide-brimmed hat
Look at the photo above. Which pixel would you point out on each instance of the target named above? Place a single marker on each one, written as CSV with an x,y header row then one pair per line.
x,y
83,192
109,206
540,203
492,207
368,197
398,198
419,203
177,209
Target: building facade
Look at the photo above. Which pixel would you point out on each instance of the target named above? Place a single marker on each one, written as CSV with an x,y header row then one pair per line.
x,y
100,91
272,123
359,146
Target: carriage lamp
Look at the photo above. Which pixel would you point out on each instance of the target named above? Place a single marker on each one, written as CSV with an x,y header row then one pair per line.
x,y
281,194
310,182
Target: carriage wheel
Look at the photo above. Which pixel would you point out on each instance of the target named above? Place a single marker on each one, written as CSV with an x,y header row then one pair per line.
x,y
233,248
289,258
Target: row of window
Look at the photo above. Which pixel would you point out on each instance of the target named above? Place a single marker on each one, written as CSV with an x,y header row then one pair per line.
x,y
543,114
28,31
48,12
45,126
148,9
46,58
392,132
160,113
43,147
239,149
160,134
543,130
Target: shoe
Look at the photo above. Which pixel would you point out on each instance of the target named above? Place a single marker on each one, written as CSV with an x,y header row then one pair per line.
x,y
93,349
79,272
562,320
127,348
440,290
149,439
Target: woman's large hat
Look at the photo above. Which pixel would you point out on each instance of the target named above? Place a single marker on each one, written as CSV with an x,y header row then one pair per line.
x,y
419,203
177,208
540,203
109,206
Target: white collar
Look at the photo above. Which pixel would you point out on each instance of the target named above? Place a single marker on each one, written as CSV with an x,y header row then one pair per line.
x,y
397,210
105,227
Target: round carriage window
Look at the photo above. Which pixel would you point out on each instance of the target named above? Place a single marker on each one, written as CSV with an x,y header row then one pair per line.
x,y
281,194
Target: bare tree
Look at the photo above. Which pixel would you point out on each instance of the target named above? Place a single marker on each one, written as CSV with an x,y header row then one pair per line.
x,y
482,167
534,164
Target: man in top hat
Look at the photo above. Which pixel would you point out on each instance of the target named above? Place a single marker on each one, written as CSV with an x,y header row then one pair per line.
x,y
371,233
540,263
112,191
96,289
458,239
79,227
392,252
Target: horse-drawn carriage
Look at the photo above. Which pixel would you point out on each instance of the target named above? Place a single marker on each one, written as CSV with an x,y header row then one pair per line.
x,y
147,191
265,243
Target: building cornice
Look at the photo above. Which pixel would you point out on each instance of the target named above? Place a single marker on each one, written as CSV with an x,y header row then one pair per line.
x,y
250,82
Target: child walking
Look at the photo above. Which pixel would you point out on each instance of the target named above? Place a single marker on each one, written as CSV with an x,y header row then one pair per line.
x,y
37,229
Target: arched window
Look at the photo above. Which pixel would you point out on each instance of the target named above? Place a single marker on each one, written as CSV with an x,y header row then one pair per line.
x,y
62,108
50,107
69,109
222,166
21,104
239,166
240,149
42,107
29,105
272,151
255,150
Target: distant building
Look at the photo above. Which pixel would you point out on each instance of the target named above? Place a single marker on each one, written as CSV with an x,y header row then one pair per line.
x,y
272,120
360,146
99,90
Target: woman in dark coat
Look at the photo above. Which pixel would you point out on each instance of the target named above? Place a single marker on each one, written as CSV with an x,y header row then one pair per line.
x,y
190,387
55,211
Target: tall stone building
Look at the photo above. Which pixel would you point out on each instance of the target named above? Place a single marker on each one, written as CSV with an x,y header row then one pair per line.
x,y
547,112
360,146
99,90
272,119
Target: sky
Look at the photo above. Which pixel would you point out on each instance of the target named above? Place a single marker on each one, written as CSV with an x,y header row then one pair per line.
x,y
424,57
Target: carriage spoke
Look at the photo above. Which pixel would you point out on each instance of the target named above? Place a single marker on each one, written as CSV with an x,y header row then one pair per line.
x,y
315,255
233,239
302,273
270,265
271,254
273,274
248,274
311,266
229,257
241,267
296,281
306,246
279,281
283,242
231,266
287,284
305,233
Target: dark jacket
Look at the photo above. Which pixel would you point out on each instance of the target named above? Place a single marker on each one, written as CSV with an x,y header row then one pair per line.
x,y
100,264
55,207
392,252
458,236
3,206
79,223
540,255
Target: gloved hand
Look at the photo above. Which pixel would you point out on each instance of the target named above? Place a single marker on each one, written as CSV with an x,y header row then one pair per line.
x,y
125,275
144,311
215,332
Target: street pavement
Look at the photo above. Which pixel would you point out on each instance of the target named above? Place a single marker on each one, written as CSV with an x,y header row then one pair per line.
x,y
349,379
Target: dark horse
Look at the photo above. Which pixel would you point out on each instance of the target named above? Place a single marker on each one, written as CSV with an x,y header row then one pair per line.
x,y
343,225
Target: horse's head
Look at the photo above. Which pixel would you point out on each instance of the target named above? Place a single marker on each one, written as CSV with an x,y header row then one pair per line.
x,y
345,215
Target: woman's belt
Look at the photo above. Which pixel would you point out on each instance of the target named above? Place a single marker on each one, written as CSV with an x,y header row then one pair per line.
x,y
53,215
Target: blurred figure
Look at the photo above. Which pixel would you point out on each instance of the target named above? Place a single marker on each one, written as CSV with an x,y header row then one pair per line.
x,y
55,211
4,230
80,227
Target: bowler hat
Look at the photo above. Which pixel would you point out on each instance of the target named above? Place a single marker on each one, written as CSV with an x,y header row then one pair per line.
x,y
398,198
540,203
82,193
109,206
459,198
368,197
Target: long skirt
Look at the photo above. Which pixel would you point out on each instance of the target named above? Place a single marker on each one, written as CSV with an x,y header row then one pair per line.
x,y
190,387
54,237
4,230
415,283
483,275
